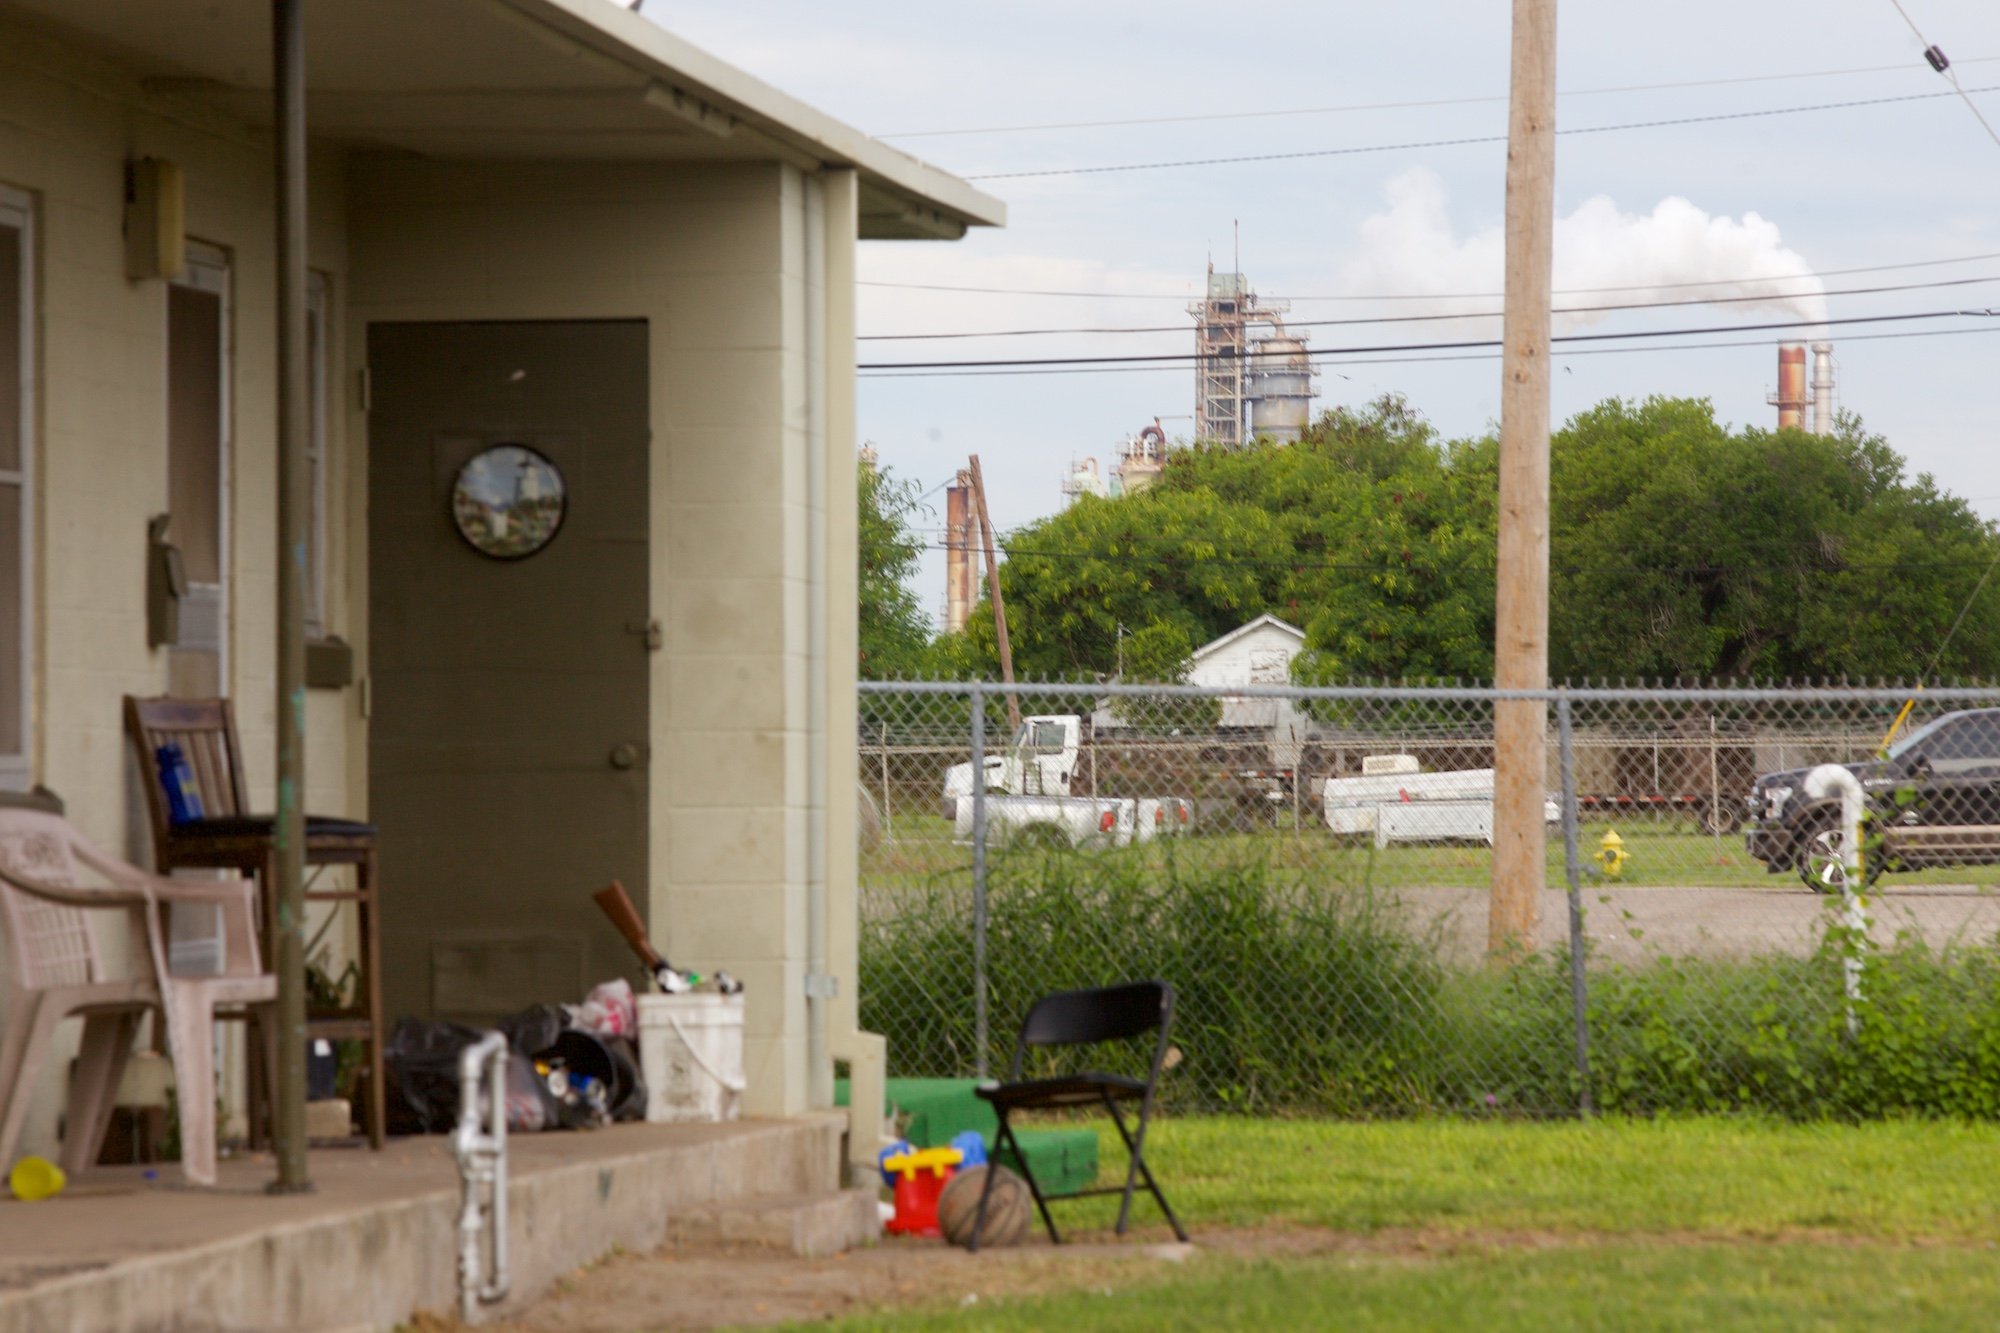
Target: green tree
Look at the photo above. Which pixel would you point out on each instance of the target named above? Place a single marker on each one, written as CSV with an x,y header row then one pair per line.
x,y
894,633
1679,548
1361,533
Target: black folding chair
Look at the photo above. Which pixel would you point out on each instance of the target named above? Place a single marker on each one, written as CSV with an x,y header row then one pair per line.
x,y
1083,1018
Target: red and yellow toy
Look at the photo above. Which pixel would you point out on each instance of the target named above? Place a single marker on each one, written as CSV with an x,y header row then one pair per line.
x,y
920,1175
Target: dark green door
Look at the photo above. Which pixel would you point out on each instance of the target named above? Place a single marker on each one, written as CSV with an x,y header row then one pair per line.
x,y
508,680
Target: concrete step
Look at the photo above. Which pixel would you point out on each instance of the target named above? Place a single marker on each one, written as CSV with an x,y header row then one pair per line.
x,y
377,1239
811,1226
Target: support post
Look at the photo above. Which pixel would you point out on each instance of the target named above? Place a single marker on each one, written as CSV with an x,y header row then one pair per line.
x,y
888,818
1573,873
1714,784
993,591
287,865
979,1031
1521,605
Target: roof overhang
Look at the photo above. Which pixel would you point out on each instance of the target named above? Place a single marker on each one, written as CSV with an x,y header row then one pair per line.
x,y
542,80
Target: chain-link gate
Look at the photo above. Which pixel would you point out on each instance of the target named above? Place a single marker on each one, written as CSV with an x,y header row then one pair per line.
x,y
1310,868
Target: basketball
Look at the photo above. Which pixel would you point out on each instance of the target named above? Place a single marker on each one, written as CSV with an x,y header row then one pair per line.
x,y
1007,1212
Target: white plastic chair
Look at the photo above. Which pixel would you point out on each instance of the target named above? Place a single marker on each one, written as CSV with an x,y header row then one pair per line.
x,y
58,973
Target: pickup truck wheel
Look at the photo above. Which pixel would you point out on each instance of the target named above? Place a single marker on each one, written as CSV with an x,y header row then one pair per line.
x,y
1046,837
1818,856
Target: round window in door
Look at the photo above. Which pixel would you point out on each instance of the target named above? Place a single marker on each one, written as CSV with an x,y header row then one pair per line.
x,y
508,501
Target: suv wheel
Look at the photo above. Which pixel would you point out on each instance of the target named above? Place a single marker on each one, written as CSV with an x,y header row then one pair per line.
x,y
1819,851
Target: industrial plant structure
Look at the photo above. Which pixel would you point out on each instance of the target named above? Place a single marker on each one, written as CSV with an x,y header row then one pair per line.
x,y
961,540
1791,400
1253,378
1142,456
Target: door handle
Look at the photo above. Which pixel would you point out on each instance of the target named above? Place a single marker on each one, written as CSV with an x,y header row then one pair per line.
x,y
626,754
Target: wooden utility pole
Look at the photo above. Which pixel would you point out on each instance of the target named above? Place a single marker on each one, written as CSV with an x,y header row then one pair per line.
x,y
999,606
1521,601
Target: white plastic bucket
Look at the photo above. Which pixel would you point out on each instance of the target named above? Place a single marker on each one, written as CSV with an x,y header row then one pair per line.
x,y
691,1052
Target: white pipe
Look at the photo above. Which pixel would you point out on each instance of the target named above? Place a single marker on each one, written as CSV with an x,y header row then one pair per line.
x,y
1821,783
482,1173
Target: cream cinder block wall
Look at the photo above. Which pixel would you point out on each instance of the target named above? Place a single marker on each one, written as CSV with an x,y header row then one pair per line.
x,y
70,119
715,259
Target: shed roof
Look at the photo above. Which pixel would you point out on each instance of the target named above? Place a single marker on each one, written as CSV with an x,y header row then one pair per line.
x,y
1243,631
512,79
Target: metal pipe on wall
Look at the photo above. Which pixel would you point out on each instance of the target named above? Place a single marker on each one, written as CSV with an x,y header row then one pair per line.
x,y
287,867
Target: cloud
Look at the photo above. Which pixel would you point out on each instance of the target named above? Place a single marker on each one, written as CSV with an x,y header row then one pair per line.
x,y
1412,247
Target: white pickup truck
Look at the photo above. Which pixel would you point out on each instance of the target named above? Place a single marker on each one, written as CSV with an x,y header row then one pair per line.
x,y
1397,802
1029,798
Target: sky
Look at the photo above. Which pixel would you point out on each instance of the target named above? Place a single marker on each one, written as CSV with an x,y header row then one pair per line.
x,y
1800,196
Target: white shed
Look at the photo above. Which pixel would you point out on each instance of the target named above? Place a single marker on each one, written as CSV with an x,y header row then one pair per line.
x,y
1259,653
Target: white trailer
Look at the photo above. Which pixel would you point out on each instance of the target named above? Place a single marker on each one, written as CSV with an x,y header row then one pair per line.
x,y
1394,801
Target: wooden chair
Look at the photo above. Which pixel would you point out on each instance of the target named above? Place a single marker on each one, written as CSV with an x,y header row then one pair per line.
x,y
228,837
58,973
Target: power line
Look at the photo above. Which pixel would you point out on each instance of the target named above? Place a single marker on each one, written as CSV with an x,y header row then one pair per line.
x,y
1450,296
1466,314
1180,358
1935,55
1467,140
1418,360
1400,106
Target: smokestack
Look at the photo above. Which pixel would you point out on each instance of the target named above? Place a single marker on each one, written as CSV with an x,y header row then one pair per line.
x,y
1790,399
1822,389
958,545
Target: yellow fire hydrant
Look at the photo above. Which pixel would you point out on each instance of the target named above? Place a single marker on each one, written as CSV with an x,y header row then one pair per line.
x,y
1611,855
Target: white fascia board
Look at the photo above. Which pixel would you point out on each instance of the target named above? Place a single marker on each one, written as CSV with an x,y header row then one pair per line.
x,y
618,33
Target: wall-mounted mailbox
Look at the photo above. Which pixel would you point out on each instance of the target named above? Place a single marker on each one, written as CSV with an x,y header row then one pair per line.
x,y
329,664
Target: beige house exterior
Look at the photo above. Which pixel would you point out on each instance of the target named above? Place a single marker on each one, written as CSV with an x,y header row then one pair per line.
x,y
475,164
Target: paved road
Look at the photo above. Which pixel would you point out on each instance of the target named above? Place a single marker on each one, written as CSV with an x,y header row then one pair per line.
x,y
1632,924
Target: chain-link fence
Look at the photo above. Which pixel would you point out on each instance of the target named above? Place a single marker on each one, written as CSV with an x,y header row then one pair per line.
x,y
1312,870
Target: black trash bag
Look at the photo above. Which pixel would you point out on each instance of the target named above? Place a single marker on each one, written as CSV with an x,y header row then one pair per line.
x,y
534,1029
420,1067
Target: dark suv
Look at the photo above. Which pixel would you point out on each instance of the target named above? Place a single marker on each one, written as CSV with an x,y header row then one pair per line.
x,y
1933,800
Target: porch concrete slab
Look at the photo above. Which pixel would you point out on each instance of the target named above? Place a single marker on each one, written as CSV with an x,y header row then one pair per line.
x,y
375,1240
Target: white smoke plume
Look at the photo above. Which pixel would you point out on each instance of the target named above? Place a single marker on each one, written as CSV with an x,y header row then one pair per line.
x,y
1411,247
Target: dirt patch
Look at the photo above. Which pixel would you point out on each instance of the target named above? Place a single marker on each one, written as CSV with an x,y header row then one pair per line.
x,y
681,1290
708,1287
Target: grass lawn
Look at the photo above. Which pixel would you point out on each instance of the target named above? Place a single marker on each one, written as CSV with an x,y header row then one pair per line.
x,y
920,851
1688,1224
1701,1287
1718,1177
